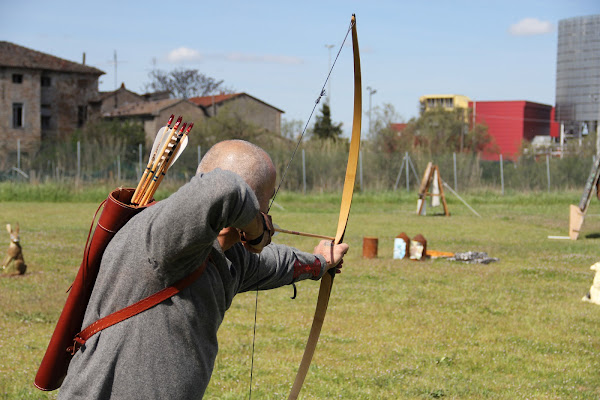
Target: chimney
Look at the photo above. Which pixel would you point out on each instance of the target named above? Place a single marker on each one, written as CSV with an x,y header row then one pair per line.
x,y
83,61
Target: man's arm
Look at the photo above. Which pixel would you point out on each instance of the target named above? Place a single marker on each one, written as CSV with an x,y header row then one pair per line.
x,y
279,265
180,230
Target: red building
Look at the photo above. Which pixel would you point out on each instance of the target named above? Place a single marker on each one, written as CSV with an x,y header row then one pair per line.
x,y
512,122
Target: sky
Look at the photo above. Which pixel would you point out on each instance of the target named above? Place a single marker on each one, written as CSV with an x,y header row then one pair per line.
x,y
280,51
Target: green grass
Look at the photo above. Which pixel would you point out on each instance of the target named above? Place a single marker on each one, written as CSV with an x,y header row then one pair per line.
x,y
395,329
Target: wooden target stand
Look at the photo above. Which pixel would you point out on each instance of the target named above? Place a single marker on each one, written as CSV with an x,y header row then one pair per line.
x,y
431,186
577,213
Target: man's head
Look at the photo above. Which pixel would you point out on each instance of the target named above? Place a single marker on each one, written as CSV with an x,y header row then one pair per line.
x,y
247,160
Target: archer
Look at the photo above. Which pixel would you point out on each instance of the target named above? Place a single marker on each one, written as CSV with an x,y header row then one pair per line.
x,y
220,216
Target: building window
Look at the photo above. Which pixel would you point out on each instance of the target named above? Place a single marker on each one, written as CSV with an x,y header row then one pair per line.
x,y
45,122
46,81
17,78
81,116
18,115
46,114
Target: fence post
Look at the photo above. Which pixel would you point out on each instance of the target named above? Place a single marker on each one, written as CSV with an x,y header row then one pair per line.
x,y
118,168
360,169
406,158
548,170
19,153
502,174
303,172
140,161
455,179
399,175
78,160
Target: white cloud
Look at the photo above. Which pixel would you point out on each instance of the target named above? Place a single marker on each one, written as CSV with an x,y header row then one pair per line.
x,y
531,26
183,54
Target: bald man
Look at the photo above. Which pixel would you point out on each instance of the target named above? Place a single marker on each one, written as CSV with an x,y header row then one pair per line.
x,y
168,351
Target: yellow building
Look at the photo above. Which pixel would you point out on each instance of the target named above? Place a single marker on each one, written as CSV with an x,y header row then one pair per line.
x,y
447,101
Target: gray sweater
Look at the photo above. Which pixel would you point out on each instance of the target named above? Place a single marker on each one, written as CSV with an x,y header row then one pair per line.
x,y
168,351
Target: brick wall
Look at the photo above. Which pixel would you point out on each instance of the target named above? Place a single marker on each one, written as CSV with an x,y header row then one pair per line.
x,y
54,104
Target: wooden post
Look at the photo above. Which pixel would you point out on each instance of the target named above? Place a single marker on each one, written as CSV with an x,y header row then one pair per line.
x,y
548,170
431,172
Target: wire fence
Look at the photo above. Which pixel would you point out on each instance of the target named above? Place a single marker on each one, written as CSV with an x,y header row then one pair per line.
x,y
318,167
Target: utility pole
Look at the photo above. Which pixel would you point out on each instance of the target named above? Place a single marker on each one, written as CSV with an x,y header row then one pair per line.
x,y
371,93
596,100
329,47
115,61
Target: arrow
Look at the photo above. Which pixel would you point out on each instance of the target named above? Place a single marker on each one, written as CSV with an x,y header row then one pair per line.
x,y
313,235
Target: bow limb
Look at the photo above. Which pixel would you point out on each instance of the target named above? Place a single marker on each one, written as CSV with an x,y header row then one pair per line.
x,y
327,279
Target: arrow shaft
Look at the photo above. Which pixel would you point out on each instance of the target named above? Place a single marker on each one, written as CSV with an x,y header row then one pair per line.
x,y
313,235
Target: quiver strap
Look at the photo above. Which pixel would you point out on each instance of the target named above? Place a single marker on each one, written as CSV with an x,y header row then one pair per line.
x,y
134,309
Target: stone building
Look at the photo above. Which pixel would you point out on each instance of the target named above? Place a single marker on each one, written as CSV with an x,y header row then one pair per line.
x,y
107,102
44,97
155,114
248,108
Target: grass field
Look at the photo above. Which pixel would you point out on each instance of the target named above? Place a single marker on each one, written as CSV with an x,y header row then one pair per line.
x,y
395,329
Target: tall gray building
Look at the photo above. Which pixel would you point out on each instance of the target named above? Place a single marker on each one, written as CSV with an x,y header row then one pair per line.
x,y
578,74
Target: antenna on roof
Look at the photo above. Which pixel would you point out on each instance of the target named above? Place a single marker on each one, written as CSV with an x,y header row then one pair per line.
x,y
116,87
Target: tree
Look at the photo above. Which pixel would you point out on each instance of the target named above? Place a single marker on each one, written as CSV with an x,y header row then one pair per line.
x,y
442,131
324,128
384,138
291,129
184,83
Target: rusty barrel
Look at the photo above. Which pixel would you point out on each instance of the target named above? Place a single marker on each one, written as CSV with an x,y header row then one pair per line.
x,y
370,247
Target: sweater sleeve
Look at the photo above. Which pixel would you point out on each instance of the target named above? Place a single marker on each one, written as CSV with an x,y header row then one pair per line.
x,y
178,232
278,265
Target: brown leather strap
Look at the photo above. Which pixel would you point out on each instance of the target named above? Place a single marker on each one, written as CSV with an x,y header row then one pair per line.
x,y
135,308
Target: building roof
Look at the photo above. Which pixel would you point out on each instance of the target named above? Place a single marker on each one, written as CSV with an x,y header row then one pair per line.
x,y
105,95
207,101
13,55
398,127
142,108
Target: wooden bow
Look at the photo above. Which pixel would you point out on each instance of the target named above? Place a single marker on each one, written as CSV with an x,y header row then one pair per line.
x,y
327,280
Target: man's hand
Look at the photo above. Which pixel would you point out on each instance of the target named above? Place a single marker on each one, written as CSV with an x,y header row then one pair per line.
x,y
257,234
228,237
333,254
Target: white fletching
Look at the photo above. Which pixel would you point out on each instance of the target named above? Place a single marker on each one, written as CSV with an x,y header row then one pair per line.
x,y
159,141
182,146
